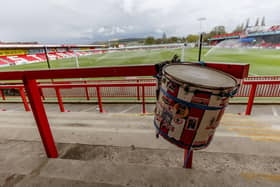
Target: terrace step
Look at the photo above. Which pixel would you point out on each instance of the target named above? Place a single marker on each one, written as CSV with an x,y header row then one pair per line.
x,y
107,166
111,174
121,150
236,134
110,166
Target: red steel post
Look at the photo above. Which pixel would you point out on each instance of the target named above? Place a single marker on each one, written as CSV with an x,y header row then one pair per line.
x,y
40,116
86,89
143,100
188,156
24,100
99,99
59,100
251,99
2,95
138,91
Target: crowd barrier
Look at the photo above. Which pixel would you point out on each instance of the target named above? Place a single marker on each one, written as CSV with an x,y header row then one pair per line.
x,y
133,90
33,90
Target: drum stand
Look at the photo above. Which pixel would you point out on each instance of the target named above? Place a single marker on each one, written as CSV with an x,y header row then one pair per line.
x,y
239,71
188,155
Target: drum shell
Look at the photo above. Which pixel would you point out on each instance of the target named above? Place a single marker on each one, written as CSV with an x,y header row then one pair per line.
x,y
188,126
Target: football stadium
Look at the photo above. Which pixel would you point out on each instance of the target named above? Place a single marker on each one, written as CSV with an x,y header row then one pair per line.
x,y
159,115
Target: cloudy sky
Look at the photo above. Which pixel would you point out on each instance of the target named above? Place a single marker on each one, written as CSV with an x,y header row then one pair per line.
x,y
85,21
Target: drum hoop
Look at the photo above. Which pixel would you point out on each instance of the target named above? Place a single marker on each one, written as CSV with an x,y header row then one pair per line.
x,y
226,92
182,82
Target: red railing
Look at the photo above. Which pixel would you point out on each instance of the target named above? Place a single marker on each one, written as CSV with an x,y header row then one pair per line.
x,y
34,95
254,84
33,90
263,90
99,95
119,90
133,89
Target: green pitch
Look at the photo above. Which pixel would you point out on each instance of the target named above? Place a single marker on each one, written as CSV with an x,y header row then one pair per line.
x,y
262,61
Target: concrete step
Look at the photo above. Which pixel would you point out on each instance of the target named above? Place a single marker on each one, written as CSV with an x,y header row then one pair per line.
x,y
166,158
121,150
237,134
15,180
78,119
24,163
107,166
145,175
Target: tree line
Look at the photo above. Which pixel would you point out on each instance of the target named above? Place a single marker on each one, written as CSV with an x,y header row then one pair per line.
x,y
191,38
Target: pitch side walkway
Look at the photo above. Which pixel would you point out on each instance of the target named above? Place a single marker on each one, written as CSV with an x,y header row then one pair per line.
x,y
120,149
258,109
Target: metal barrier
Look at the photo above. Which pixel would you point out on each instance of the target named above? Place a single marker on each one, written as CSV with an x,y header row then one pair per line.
x,y
251,87
34,90
99,95
264,90
274,90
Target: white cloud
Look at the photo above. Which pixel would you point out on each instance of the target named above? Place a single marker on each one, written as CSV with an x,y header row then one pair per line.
x,y
74,20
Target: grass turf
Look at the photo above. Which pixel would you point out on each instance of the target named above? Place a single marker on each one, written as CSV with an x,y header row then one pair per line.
x,y
262,61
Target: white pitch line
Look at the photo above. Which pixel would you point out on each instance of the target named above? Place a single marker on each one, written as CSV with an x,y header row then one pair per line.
x,y
253,74
274,111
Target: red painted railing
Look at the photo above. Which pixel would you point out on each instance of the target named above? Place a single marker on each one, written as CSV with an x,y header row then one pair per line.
x,y
263,90
133,89
99,94
254,84
34,91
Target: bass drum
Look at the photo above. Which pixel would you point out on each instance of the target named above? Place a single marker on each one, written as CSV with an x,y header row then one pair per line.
x,y
191,103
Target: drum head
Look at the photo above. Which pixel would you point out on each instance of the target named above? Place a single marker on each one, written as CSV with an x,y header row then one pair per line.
x,y
200,76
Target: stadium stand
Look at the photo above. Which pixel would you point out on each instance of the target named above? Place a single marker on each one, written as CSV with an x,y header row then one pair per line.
x,y
16,53
275,28
8,59
253,36
39,57
3,63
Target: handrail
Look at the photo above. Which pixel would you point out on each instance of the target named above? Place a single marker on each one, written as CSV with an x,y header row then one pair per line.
x,y
33,89
261,82
95,85
254,84
57,88
65,84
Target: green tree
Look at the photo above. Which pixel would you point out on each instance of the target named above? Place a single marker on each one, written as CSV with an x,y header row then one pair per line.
x,y
149,40
158,41
218,30
192,38
239,28
172,39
